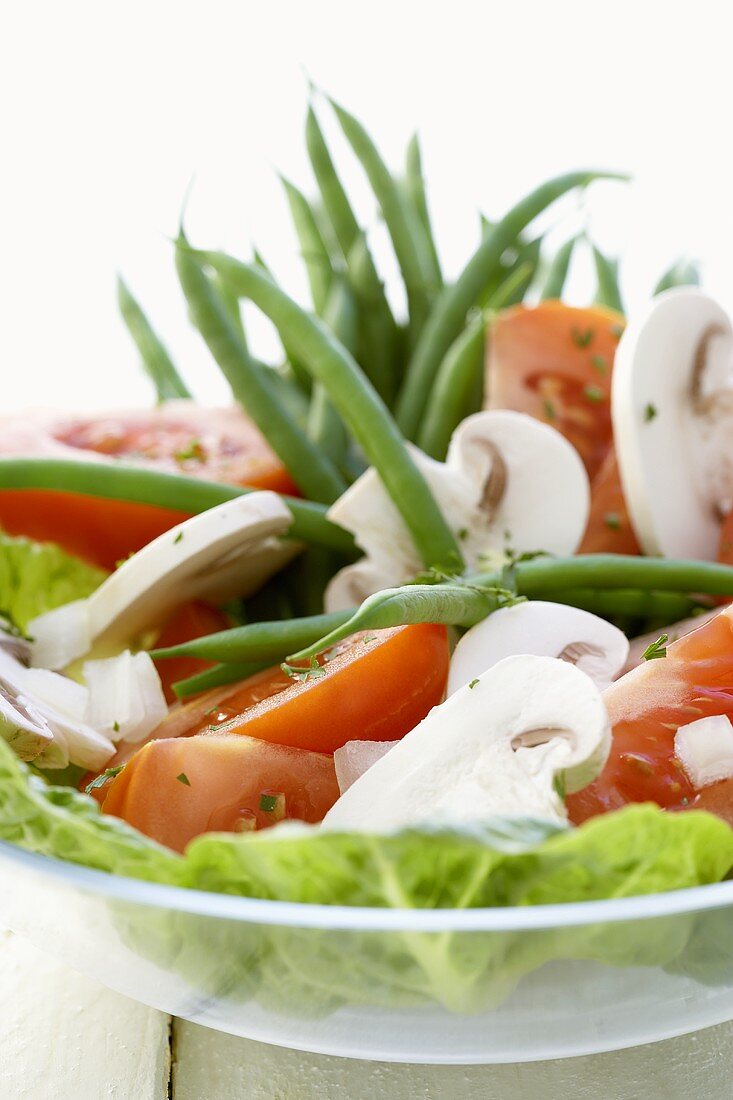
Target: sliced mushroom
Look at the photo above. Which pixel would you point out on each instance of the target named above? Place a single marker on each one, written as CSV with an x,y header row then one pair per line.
x,y
227,551
672,406
527,729
545,629
508,482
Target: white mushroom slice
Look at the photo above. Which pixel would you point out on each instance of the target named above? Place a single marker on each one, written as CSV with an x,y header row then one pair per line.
x,y
508,481
529,727
672,407
39,730
545,629
705,750
229,550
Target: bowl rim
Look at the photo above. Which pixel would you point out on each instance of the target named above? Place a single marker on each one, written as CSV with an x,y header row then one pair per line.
x,y
694,899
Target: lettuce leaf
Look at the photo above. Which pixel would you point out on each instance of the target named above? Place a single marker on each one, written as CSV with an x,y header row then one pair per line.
x,y
637,850
37,576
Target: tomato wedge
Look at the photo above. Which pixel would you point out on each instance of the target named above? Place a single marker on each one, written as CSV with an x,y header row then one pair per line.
x,y
555,362
373,687
174,790
214,444
646,707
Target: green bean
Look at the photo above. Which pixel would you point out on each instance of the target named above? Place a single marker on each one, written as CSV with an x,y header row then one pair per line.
x,y
314,473
415,185
512,290
681,273
453,388
230,302
608,293
257,642
300,374
449,313
325,426
214,677
662,607
558,272
456,604
335,201
286,390
465,601
358,404
155,359
312,245
116,481
402,223
378,335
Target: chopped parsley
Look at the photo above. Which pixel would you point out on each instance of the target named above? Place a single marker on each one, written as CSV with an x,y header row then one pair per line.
x,y
105,777
599,364
183,778
463,534
549,409
473,683
179,537
268,802
657,649
313,671
116,727
582,338
650,413
594,394
612,520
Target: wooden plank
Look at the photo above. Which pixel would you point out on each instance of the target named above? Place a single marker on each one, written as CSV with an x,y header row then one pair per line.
x,y
64,1037
208,1065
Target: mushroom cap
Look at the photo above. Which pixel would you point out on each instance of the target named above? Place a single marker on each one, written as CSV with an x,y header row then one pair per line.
x,y
499,747
508,481
544,629
671,442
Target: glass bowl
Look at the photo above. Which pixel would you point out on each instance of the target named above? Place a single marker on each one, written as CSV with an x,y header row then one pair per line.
x,y
432,986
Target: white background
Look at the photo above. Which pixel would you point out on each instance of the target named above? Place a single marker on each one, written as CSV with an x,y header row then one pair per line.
x,y
109,111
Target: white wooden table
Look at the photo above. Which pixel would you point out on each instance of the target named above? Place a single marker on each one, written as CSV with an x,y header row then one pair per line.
x,y
63,1037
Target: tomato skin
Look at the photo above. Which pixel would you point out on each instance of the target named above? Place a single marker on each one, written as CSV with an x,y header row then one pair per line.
x,y
180,437
609,529
376,686
646,707
554,363
175,790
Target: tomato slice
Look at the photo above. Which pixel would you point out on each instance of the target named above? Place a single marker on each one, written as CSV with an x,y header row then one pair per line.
x,y
213,444
193,620
174,790
554,362
646,708
609,529
375,686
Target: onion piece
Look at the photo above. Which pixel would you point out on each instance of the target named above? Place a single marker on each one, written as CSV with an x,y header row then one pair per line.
x,y
356,757
705,750
126,698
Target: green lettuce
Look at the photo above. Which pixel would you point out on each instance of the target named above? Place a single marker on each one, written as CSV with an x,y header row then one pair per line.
x,y
37,576
637,850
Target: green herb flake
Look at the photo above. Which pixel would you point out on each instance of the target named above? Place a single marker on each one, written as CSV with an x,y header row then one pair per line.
x,y
463,534
657,649
599,364
313,672
183,778
582,338
116,727
105,777
473,683
268,802
178,538
594,394
650,413
549,408
612,520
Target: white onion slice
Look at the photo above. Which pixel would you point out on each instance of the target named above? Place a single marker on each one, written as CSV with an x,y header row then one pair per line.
x,y
705,750
126,698
356,757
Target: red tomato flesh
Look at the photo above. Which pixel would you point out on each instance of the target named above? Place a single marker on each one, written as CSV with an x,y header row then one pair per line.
x,y
175,790
646,708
